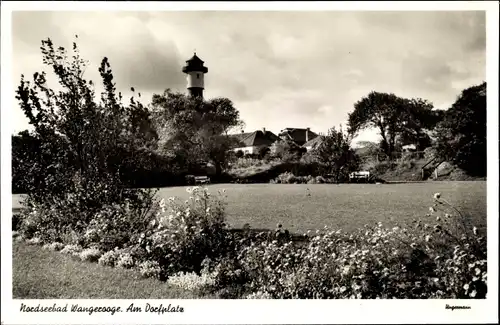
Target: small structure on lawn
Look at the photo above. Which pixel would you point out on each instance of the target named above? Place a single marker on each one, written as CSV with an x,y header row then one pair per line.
x,y
359,176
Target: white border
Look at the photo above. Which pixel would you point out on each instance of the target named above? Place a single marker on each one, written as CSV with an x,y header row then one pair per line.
x,y
253,311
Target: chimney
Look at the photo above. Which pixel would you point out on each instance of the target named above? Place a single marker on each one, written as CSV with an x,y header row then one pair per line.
x,y
242,131
307,134
264,130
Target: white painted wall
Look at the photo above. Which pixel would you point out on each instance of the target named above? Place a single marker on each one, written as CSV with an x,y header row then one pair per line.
x,y
250,150
195,79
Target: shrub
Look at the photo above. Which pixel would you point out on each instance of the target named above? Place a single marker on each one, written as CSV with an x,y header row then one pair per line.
x,y
286,178
35,241
90,255
72,249
289,178
109,258
54,246
150,269
259,295
16,221
191,281
125,261
115,226
184,234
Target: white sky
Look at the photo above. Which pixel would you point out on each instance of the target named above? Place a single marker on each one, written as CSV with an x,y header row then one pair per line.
x,y
281,69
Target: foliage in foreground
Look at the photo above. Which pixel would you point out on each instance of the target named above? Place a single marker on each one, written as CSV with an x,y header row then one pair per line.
x,y
189,245
82,145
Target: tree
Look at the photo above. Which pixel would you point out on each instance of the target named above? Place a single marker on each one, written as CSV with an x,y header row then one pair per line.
x,y
193,130
264,152
287,150
334,151
395,117
461,136
81,141
417,118
26,153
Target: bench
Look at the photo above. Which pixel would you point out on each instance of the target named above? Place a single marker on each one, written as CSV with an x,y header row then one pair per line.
x,y
359,176
202,180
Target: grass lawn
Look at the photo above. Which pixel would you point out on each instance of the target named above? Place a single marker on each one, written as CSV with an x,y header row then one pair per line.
x,y
345,206
43,274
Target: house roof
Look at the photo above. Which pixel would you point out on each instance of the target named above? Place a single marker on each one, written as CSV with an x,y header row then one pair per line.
x,y
256,138
315,141
298,135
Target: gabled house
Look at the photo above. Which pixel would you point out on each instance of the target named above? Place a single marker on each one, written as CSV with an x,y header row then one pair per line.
x,y
251,143
313,143
299,136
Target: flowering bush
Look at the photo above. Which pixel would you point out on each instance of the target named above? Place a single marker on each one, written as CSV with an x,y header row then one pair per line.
x,y
115,226
186,233
125,261
259,295
72,249
35,241
150,269
191,281
90,255
53,246
109,258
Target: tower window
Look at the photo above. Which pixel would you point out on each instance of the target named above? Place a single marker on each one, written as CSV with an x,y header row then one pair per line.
x,y
197,76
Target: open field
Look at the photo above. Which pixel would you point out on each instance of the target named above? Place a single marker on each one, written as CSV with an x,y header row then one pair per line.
x,y
345,206
43,274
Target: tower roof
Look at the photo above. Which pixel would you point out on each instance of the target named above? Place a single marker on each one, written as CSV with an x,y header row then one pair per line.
x,y
195,59
194,64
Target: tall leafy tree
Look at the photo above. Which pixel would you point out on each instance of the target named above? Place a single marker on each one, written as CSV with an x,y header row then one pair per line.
x,y
334,151
461,136
396,118
81,140
381,111
193,130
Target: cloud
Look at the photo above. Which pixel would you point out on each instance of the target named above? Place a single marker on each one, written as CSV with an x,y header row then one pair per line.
x,y
281,69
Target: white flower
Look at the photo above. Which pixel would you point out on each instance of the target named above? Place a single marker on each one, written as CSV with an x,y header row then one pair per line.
x,y
162,203
437,196
223,190
428,238
189,190
474,230
431,209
